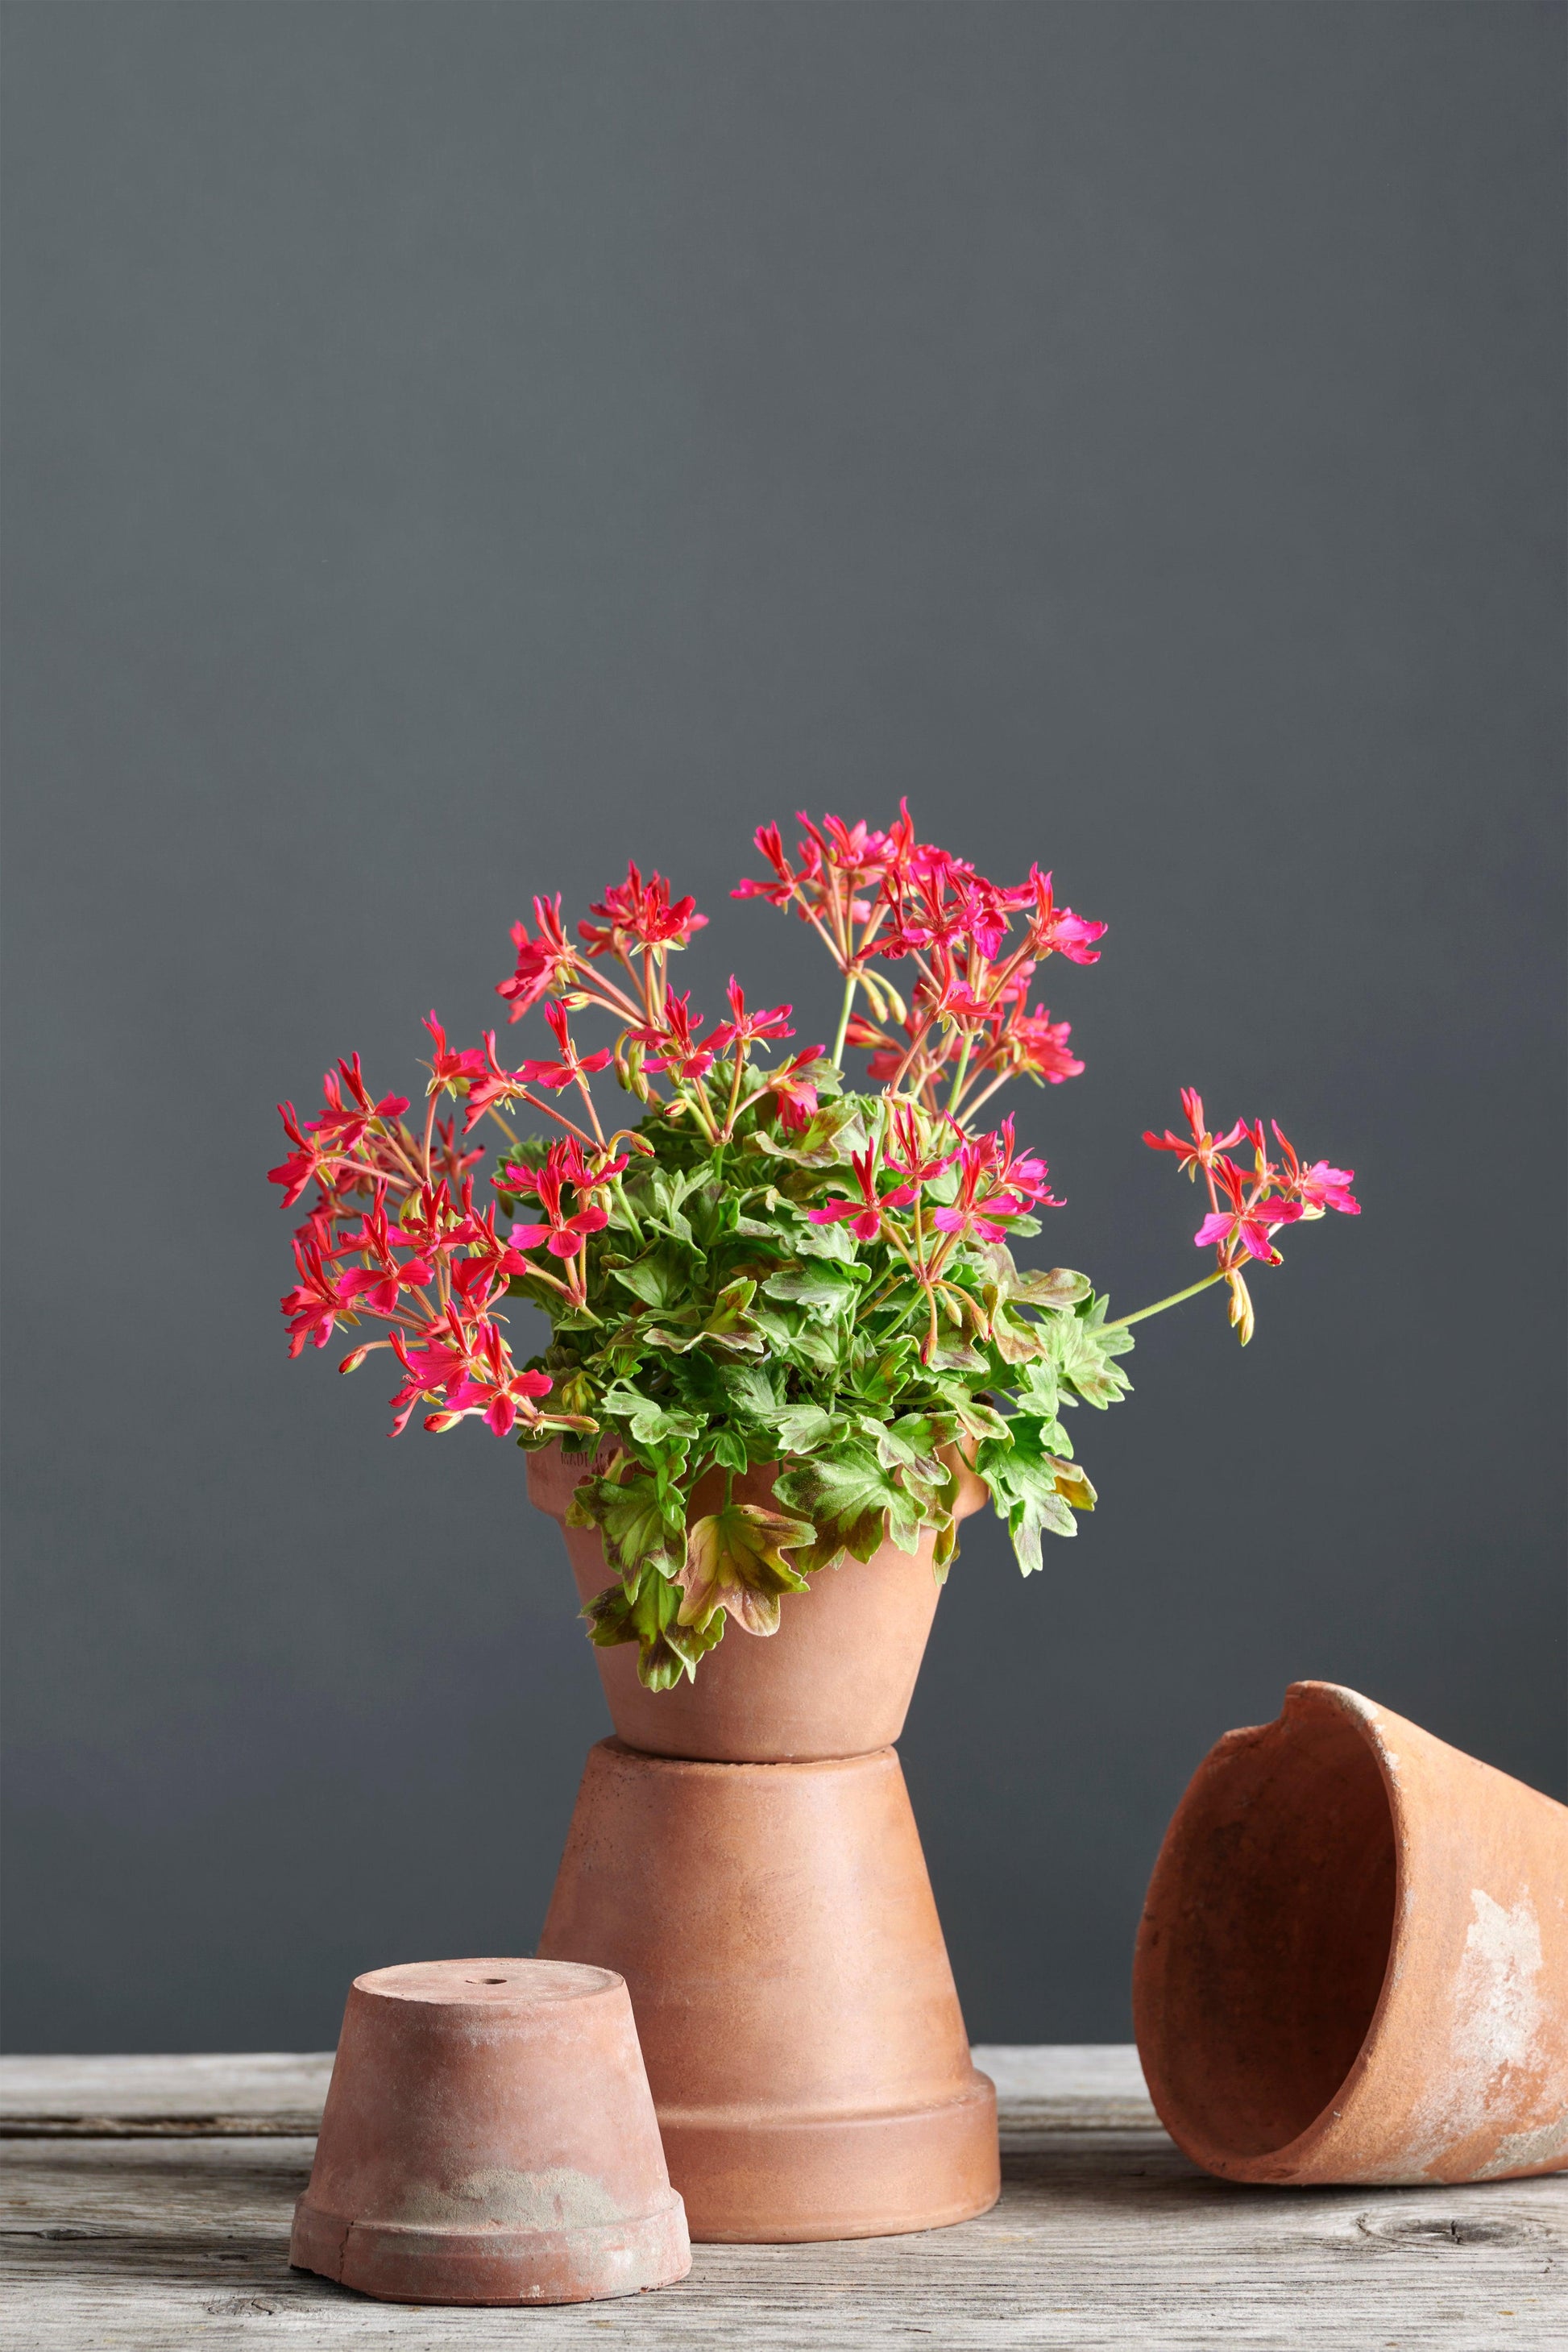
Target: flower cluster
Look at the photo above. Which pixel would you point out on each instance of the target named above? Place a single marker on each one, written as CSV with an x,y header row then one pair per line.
x,y
1245,1211
765,1272
974,947
393,1231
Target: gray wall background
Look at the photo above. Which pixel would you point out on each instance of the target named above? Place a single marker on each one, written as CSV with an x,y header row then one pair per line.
x,y
453,447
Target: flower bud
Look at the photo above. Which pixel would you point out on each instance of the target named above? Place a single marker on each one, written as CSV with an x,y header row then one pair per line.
x,y
1241,1314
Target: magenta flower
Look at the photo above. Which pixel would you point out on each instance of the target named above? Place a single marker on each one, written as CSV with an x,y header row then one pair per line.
x,y
544,963
1250,1219
742,1028
796,1095
675,1037
1318,1187
636,916
864,1216
1203,1149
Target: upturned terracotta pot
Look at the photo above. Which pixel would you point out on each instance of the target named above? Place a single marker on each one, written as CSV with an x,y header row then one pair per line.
x,y
835,1680
1353,1964
803,2034
488,2137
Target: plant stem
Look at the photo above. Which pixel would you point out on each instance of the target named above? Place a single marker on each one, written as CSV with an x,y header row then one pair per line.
x,y
1119,1322
843,1021
961,1072
631,1214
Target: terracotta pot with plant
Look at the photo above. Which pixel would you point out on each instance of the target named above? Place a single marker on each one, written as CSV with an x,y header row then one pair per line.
x,y
791,1349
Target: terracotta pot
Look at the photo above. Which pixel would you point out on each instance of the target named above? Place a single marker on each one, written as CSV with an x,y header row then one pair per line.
x,y
774,1923
835,1680
1354,1959
488,2137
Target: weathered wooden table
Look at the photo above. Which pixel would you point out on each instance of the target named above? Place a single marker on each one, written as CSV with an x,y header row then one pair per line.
x,y
149,2199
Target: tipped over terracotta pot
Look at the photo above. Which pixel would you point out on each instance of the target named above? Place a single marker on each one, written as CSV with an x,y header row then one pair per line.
x,y
835,1680
1353,1964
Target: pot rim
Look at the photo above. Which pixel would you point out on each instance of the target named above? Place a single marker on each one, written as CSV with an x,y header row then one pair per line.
x,y
1304,1700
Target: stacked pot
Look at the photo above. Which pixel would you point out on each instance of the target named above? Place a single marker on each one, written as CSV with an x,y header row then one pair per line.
x,y
743,1854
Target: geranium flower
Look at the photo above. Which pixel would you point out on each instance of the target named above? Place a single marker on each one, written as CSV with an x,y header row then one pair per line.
x,y
544,963
316,1300
782,889
675,1036
572,1067
451,1070
1036,1045
795,1094
350,1110
1056,930
983,1196
909,1153
865,1215
743,1028
1250,1219
1203,1149
562,1235
1318,1187
1019,1172
379,1287
637,916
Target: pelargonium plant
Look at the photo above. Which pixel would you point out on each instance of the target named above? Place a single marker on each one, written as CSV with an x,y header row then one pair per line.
x,y
759,1265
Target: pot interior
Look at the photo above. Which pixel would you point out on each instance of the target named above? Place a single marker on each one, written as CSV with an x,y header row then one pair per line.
x,y
1276,1926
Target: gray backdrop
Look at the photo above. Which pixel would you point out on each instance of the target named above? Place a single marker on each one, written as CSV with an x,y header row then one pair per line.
x,y
453,447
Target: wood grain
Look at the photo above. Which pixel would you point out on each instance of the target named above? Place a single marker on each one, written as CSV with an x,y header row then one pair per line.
x,y
1103,2242
1095,2087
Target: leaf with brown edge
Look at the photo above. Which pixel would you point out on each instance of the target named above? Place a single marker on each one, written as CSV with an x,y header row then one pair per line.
x,y
1059,1288
734,1562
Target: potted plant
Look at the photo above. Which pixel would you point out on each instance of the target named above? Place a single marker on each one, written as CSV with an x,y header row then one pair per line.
x,y
791,1349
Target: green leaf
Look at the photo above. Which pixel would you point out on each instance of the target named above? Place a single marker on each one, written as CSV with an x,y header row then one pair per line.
x,y
831,1135
1033,1490
854,1503
660,1198
650,1617
645,1420
1036,1392
1081,1348
751,1389
806,1428
663,1279
735,1563
881,1374
1058,1288
725,1324
956,1356
728,1448
641,1518
824,1291
835,1241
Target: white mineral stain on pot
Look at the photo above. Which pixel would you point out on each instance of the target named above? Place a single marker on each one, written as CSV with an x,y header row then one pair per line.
x,y
1497,2018
558,2199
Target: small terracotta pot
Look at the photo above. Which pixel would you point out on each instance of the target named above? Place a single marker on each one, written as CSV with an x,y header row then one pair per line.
x,y
1354,1959
776,1925
488,2137
835,1680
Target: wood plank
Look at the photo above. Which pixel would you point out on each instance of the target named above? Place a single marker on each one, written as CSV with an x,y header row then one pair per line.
x,y
1100,2242
257,2091
1066,2086
1085,2087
